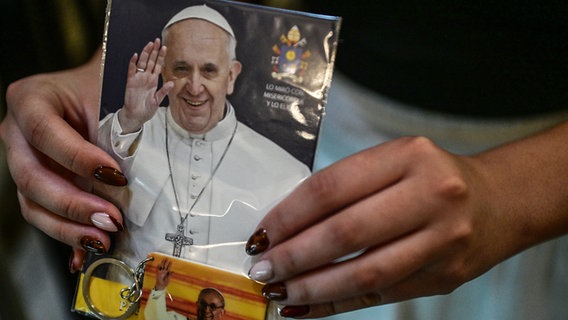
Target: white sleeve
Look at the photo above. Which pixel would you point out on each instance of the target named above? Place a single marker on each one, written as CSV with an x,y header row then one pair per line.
x,y
156,305
122,144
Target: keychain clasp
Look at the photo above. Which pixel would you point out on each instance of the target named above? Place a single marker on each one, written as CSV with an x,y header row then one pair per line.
x,y
132,293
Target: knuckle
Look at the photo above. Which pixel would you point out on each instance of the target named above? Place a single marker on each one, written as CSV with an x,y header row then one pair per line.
x,y
24,181
347,235
39,127
367,279
26,212
453,186
13,93
288,264
73,161
322,185
423,149
26,208
419,145
302,292
71,209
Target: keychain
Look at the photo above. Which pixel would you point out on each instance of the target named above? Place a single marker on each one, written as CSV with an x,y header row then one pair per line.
x,y
130,295
162,284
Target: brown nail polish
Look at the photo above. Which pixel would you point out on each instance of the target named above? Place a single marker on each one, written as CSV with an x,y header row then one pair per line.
x,y
93,245
110,176
275,291
294,311
257,243
118,225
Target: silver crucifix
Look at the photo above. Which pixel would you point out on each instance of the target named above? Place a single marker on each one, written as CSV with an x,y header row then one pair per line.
x,y
179,239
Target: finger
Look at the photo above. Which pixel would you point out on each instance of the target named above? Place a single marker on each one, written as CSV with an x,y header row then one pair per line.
x,y
332,308
132,67
56,194
152,58
163,92
79,236
43,126
144,55
168,265
160,60
76,260
371,272
377,220
329,191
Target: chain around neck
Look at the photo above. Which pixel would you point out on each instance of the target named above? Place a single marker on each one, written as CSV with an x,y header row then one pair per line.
x,y
183,218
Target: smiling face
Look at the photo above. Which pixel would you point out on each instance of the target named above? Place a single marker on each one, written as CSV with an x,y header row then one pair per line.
x,y
210,305
199,64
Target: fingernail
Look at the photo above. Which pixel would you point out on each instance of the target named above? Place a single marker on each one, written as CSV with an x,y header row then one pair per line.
x,y
110,176
93,245
261,271
257,243
294,311
106,222
275,291
72,267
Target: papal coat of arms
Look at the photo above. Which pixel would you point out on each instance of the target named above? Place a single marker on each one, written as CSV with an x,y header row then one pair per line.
x,y
291,54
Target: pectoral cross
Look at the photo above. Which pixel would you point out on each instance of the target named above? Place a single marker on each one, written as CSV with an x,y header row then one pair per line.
x,y
179,239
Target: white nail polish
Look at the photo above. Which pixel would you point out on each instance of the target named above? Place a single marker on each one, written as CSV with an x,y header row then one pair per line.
x,y
261,271
103,221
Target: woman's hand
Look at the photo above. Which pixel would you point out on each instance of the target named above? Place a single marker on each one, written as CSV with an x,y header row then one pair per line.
x,y
407,219
46,131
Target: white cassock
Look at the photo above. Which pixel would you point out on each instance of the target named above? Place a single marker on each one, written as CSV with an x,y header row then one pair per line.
x,y
156,308
253,176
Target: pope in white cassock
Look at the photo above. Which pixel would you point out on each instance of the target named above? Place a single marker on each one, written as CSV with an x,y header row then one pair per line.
x,y
210,303
199,180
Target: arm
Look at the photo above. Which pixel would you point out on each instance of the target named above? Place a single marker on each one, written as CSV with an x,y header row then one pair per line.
x,y
422,221
156,306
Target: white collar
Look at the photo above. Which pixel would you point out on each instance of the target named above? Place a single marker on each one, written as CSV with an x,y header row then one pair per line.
x,y
223,129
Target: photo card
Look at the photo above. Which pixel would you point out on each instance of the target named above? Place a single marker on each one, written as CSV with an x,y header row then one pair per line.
x,y
212,110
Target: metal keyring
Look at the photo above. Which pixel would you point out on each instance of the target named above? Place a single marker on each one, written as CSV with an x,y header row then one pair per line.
x,y
135,284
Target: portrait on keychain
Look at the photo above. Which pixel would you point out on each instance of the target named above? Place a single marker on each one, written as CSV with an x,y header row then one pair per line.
x,y
178,289
200,178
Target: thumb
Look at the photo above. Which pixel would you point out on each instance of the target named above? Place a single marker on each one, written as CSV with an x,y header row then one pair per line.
x,y
164,90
